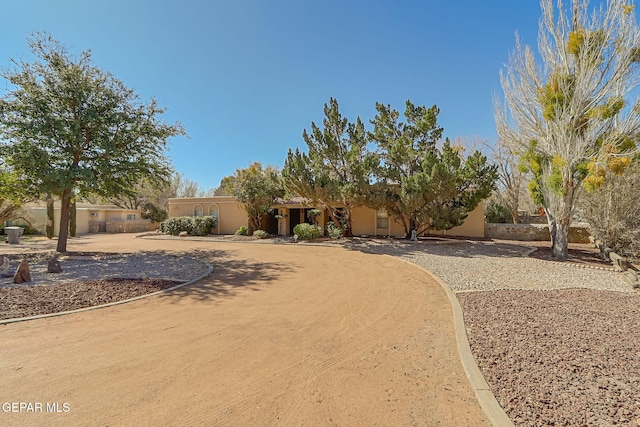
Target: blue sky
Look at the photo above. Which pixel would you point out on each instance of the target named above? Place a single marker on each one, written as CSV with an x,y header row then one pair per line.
x,y
245,77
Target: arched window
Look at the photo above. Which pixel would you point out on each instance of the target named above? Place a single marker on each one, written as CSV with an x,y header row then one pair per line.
x,y
197,210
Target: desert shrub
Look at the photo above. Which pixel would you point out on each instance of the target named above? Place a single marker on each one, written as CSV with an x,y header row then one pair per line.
x,y
496,213
613,212
261,234
335,232
306,231
202,225
242,231
198,225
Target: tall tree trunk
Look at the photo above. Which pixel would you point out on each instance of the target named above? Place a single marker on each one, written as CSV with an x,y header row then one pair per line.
x,y
559,215
73,227
515,216
49,228
560,243
65,208
253,224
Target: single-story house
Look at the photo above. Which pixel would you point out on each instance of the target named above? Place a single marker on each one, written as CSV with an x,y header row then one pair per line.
x,y
91,218
286,214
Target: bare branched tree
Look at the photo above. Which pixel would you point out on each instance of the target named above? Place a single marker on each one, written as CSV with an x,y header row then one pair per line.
x,y
566,111
510,179
613,212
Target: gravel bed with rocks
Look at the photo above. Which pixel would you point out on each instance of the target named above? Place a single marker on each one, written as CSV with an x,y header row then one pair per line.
x,y
91,279
563,357
558,343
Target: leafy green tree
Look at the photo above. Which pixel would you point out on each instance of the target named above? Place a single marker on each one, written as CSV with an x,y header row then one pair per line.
x,y
150,196
569,117
74,129
419,185
336,172
256,188
13,193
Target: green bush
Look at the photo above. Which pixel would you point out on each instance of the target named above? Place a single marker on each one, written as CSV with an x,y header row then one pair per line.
x,y
202,225
496,213
335,232
306,231
242,231
261,234
194,225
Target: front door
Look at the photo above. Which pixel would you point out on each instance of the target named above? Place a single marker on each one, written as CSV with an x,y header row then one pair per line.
x,y
294,219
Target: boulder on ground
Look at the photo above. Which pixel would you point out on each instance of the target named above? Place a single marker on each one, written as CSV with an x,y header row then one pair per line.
x,y
53,266
4,266
183,234
22,273
618,262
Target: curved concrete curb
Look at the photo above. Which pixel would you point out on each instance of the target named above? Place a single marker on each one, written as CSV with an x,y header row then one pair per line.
x,y
124,301
486,399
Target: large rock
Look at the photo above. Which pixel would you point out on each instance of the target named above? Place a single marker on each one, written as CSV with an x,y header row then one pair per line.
x,y
53,266
619,262
4,266
22,273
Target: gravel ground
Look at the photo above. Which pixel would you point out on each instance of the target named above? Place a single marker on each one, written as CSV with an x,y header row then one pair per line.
x,y
91,279
106,266
557,343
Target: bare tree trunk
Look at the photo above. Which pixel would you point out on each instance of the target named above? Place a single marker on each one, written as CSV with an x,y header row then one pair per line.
x,y
73,227
49,228
65,208
7,212
560,245
515,216
559,215
254,224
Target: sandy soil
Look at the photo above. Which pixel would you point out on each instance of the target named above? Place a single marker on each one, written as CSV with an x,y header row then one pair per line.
x,y
277,335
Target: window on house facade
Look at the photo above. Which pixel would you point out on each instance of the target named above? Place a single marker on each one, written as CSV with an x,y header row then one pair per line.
x,y
198,211
131,217
213,211
382,218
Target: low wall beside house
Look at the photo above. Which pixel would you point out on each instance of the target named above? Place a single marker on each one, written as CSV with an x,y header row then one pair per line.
x,y
122,226
578,233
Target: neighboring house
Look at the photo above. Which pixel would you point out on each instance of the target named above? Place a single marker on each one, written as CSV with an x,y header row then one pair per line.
x,y
287,214
92,218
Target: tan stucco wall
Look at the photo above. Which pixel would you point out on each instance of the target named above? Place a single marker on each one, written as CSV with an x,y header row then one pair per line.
x,y
38,213
364,223
473,226
231,214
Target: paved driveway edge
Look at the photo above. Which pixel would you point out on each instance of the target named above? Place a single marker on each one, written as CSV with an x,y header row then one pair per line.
x,y
486,399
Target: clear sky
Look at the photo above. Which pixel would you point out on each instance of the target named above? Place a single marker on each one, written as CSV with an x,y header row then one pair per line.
x,y
245,77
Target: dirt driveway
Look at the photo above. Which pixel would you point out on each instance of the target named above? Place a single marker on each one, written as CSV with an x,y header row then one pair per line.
x,y
277,335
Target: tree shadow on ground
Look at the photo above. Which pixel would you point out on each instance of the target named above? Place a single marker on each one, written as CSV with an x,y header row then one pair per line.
x,y
436,247
230,275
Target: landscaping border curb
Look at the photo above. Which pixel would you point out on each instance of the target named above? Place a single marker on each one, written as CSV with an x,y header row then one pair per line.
x,y
111,304
486,399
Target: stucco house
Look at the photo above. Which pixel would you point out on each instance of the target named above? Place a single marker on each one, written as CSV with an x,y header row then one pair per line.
x,y
91,218
287,214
